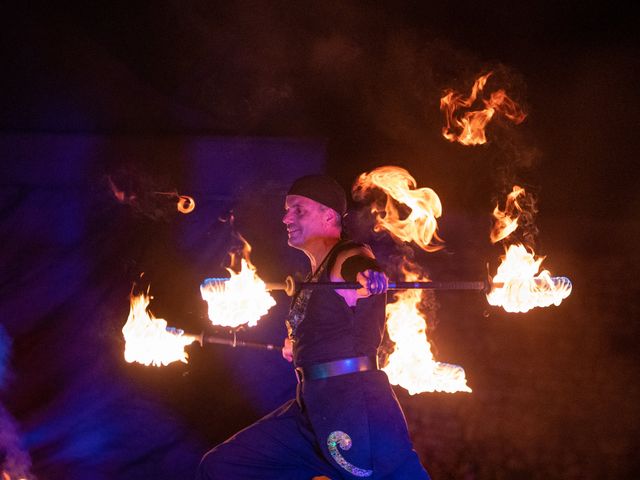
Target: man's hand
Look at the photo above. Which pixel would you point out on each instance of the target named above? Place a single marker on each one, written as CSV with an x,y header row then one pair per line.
x,y
373,283
287,350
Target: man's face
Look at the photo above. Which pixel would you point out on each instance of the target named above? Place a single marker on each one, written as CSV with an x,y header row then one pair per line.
x,y
305,220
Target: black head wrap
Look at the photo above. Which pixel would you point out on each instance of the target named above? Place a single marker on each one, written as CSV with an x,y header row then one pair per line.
x,y
322,189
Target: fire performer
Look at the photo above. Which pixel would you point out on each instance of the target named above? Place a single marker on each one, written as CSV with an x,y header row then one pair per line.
x,y
345,421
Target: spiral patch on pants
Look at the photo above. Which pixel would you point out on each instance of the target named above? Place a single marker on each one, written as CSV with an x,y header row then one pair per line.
x,y
344,441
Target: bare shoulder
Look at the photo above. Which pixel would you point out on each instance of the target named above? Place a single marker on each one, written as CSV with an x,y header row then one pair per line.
x,y
342,256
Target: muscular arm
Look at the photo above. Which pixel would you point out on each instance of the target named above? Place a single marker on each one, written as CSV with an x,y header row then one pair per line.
x,y
358,264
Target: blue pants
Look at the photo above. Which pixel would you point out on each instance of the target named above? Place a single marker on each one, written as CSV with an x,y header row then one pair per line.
x,y
283,446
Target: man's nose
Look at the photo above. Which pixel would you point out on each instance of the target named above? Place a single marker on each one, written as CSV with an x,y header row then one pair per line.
x,y
286,218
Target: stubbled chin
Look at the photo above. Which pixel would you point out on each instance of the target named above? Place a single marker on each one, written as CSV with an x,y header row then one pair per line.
x,y
293,241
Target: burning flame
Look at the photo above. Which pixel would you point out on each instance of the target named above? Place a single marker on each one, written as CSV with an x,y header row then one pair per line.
x,y
147,340
186,204
471,127
411,365
120,195
518,285
506,221
241,299
424,206
523,287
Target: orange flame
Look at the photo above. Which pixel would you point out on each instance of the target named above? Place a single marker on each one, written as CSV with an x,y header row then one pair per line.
x,y
241,299
518,285
420,225
523,287
506,221
186,204
471,127
147,340
412,365
120,195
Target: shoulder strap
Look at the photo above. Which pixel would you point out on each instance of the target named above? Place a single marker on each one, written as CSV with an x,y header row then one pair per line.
x,y
340,247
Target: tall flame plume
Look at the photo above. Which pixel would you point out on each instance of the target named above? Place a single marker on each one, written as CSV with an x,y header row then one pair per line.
x,y
147,340
412,365
469,128
400,188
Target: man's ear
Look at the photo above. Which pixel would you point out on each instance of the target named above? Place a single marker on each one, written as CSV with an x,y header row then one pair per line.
x,y
327,217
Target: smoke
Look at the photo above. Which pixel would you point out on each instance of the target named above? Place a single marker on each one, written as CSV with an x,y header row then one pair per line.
x,y
368,79
147,196
14,460
527,231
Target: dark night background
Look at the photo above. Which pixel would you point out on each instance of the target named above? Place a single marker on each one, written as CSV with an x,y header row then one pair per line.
x,y
230,101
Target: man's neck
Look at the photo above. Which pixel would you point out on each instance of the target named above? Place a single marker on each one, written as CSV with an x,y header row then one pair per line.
x,y
318,249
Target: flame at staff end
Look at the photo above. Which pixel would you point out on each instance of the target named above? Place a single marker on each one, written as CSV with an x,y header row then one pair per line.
x,y
412,365
241,299
147,340
420,225
471,127
524,287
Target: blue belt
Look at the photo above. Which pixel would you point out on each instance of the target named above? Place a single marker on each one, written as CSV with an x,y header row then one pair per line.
x,y
337,367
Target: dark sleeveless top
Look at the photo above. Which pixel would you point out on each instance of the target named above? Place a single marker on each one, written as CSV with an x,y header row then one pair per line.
x,y
324,328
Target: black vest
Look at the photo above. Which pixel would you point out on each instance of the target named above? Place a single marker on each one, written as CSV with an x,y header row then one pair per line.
x,y
330,329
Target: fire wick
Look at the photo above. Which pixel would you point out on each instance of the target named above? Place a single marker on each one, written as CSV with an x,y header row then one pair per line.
x,y
203,339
